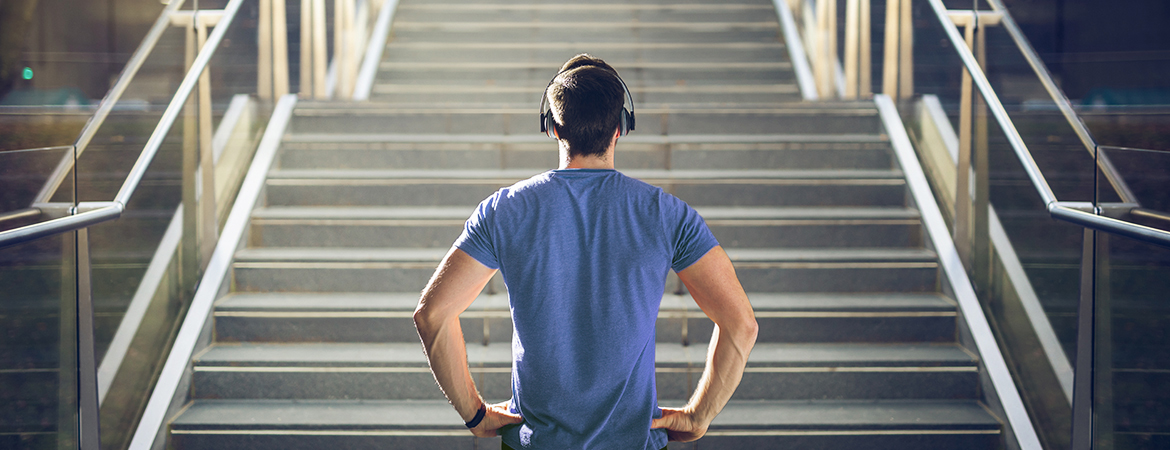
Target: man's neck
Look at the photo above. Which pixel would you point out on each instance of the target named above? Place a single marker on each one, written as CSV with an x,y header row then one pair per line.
x,y
603,161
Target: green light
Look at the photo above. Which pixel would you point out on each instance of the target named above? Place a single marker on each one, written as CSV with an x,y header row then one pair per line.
x,y
28,73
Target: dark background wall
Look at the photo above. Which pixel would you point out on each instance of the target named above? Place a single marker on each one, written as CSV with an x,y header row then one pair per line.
x,y
1090,45
83,44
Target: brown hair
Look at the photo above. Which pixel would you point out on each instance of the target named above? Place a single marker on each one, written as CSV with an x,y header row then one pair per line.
x,y
585,100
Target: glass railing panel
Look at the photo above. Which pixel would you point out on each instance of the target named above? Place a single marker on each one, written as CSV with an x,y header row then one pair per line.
x,y
38,326
24,127
123,252
22,174
141,286
1048,251
1132,341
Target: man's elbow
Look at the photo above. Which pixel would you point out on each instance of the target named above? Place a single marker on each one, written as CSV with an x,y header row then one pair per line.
x,y
742,332
426,320
749,331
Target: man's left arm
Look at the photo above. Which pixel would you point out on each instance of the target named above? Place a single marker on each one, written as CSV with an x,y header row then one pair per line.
x,y
456,283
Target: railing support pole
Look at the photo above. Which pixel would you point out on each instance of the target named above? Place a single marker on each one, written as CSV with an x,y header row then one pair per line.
x,y
852,44
890,50
865,78
962,228
208,223
189,267
67,373
1082,407
320,57
264,52
825,47
981,261
279,49
306,59
905,52
87,400
858,69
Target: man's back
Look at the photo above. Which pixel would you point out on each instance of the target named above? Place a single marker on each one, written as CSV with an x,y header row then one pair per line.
x,y
584,254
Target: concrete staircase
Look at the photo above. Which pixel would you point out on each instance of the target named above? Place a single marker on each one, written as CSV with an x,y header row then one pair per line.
x,y
314,346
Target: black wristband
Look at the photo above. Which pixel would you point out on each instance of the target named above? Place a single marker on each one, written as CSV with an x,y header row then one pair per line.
x,y
478,416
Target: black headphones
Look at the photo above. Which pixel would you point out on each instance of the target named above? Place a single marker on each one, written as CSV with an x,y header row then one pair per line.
x,y
548,124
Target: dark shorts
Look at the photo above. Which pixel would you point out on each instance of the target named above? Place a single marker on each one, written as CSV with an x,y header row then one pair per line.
x,y
504,446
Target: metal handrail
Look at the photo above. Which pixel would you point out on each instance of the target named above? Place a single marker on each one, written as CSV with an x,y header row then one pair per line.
x,y
1062,103
95,122
113,210
1056,208
172,112
993,102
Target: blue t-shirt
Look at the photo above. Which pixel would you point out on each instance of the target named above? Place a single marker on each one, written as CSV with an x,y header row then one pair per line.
x,y
584,254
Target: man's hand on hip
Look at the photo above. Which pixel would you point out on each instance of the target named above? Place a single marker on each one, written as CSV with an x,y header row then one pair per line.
x,y
681,424
497,416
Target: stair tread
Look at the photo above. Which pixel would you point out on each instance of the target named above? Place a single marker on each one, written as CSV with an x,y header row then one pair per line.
x,y
428,175
315,107
482,138
764,354
361,302
744,255
463,212
738,414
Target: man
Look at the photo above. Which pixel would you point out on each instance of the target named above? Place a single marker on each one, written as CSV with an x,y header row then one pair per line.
x,y
584,252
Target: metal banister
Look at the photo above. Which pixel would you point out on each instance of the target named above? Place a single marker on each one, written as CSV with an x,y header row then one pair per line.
x,y
1055,208
114,210
997,109
95,122
172,112
1060,210
1062,103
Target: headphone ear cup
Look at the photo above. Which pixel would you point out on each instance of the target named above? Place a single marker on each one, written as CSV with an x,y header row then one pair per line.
x,y
627,122
550,125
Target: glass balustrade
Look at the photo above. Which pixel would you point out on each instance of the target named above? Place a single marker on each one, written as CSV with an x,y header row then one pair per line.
x,y
38,316
1131,345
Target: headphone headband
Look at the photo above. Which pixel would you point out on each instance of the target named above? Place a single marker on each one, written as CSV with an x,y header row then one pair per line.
x,y
548,124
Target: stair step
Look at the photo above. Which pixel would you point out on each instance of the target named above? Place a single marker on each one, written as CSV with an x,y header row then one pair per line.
x,y
334,151
438,227
698,188
525,13
589,32
383,118
633,55
297,424
778,71
367,317
400,371
406,93
408,269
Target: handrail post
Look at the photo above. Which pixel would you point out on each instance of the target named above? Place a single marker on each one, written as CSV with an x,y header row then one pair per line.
x,y
200,225
981,263
87,395
189,266
858,69
1082,404
272,68
314,57
208,223
264,51
972,231
898,64
825,47
852,42
306,59
890,51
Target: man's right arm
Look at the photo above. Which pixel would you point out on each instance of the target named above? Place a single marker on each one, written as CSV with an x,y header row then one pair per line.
x,y
711,281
